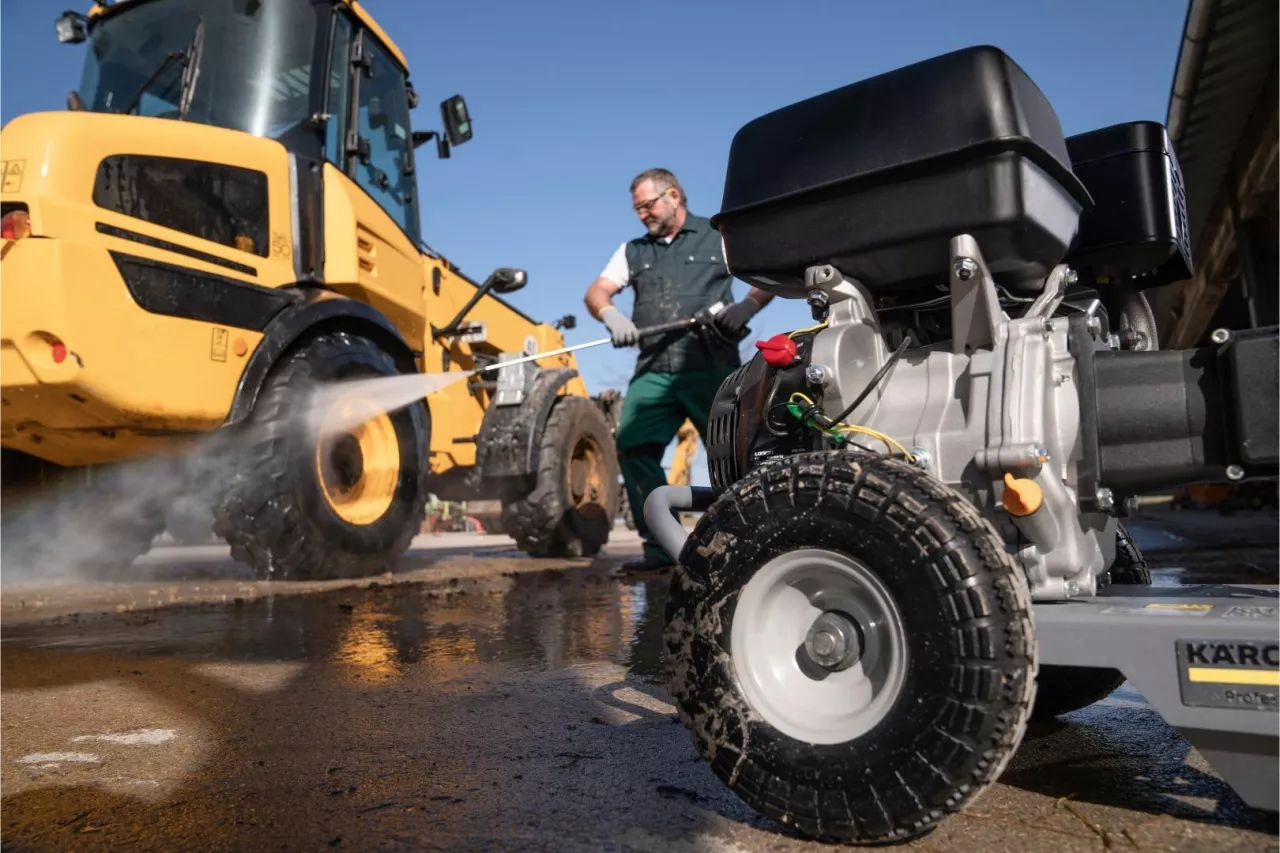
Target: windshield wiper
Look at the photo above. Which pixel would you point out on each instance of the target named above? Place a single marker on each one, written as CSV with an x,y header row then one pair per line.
x,y
142,90
191,70
194,48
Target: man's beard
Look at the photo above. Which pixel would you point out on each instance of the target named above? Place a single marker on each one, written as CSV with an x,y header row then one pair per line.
x,y
658,226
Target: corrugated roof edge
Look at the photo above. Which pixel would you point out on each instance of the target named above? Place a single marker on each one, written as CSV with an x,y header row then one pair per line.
x,y
1186,72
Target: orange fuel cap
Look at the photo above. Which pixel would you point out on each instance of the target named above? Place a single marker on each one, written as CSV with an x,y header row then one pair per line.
x,y
1021,496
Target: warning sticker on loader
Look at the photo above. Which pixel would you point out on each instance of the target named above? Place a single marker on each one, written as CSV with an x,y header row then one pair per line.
x,y
13,172
1217,673
218,347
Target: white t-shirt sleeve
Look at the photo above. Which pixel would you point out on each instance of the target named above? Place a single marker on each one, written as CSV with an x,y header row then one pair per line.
x,y
617,270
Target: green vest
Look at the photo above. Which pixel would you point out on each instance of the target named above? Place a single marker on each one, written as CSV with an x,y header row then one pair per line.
x,y
672,282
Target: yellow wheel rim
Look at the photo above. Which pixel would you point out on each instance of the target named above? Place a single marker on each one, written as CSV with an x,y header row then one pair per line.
x,y
358,468
586,474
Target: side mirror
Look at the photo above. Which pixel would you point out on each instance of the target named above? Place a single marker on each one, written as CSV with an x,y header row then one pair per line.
x,y
501,280
457,121
422,137
72,28
508,279
568,321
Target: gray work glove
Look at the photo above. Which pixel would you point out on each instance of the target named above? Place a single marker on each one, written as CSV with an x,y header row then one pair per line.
x,y
624,331
734,319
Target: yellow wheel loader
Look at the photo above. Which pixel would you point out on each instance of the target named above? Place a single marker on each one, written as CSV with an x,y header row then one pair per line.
x,y
225,216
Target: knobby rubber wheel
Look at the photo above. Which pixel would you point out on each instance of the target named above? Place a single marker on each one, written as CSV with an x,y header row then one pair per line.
x,y
851,646
570,511
327,491
1063,689
1130,567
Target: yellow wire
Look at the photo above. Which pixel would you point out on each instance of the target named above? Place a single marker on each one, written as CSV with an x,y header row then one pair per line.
x,y
821,325
797,395
889,442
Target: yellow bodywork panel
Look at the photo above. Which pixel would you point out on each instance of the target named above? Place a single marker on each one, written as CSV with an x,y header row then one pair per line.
x,y
368,257
133,380
130,374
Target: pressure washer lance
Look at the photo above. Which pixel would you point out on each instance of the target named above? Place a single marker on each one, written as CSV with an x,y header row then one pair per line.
x,y
702,319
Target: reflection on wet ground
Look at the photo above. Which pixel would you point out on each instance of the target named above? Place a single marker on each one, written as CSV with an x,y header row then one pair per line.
x,y
535,621
521,711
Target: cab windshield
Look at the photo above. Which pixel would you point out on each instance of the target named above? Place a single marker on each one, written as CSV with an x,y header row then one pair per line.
x,y
251,67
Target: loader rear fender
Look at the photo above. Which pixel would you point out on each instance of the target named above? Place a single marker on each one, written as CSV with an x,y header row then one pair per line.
x,y
318,310
511,435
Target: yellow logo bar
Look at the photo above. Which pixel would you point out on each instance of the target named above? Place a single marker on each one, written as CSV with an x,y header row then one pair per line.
x,y
1222,675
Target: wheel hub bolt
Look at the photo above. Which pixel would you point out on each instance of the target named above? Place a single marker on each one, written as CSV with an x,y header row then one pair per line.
x,y
832,642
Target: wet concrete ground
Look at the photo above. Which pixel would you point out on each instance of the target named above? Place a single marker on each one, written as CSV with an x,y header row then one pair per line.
x,y
488,701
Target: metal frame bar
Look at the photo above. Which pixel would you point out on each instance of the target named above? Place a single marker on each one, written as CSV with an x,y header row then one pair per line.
x,y
1165,640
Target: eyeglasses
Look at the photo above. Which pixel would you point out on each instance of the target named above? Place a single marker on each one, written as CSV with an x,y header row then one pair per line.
x,y
645,205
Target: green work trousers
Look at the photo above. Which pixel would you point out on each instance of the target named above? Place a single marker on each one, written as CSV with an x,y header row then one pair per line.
x,y
655,406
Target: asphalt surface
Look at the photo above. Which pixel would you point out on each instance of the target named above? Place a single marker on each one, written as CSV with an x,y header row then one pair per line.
x,y
481,700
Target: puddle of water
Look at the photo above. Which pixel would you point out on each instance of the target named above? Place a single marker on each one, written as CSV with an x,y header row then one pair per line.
x,y
529,621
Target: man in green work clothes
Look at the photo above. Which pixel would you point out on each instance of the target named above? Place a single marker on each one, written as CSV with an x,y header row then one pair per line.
x,y
675,270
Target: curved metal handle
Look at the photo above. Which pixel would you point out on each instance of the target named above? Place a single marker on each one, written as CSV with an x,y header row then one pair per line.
x,y
660,510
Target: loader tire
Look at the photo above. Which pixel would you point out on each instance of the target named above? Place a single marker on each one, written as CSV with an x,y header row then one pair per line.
x,y
570,511
302,505
1063,689
934,703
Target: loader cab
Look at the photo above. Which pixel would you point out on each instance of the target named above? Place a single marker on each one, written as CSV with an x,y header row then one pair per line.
x,y
321,78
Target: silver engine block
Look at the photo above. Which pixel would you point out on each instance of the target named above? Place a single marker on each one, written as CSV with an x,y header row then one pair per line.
x,y
1000,398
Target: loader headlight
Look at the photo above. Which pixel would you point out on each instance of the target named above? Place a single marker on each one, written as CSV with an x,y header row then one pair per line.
x,y
71,28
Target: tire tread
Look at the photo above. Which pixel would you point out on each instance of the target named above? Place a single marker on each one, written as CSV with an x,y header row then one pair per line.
x,y
258,514
992,685
537,521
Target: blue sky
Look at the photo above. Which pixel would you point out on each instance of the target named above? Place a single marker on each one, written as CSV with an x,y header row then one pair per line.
x,y
571,98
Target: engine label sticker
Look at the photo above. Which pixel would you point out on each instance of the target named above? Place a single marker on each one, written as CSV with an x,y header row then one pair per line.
x,y
218,347
13,172
1217,673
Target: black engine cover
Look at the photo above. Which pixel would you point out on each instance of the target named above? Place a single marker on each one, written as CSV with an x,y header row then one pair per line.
x,y
749,422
